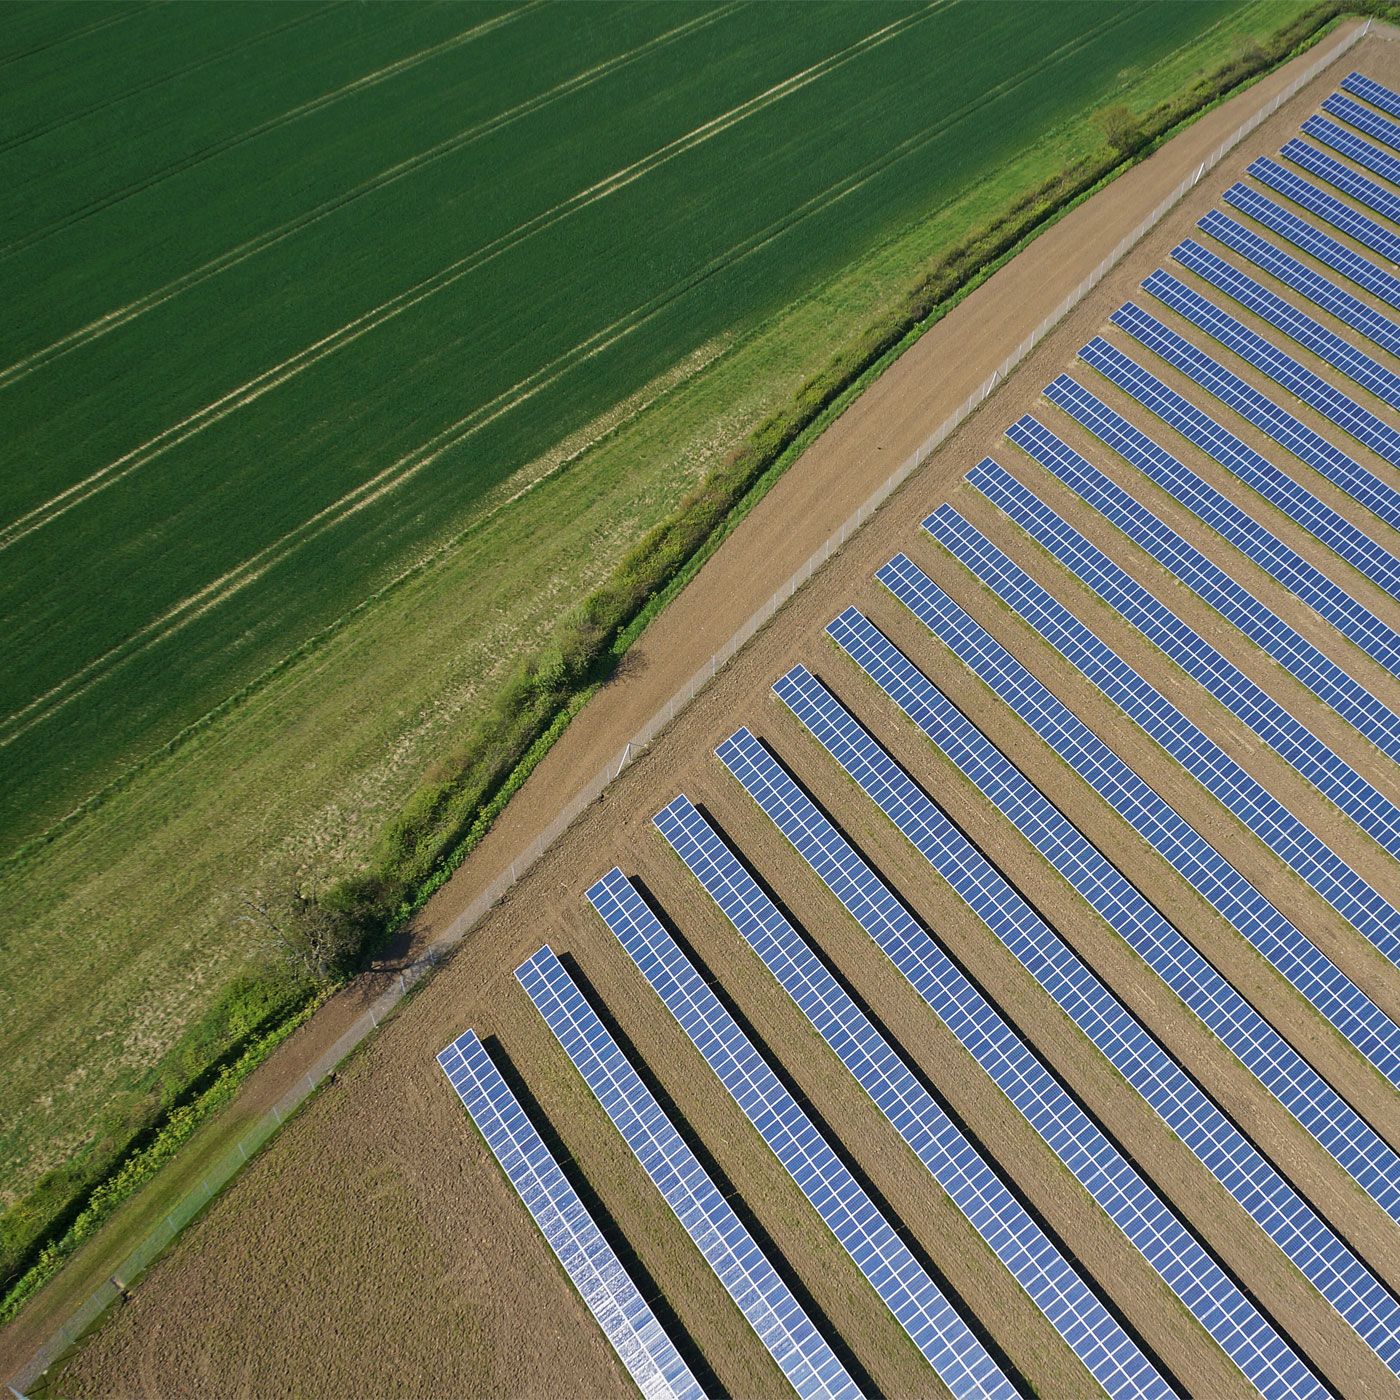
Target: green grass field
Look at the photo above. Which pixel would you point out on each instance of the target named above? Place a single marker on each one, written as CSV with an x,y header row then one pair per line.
x,y
348,345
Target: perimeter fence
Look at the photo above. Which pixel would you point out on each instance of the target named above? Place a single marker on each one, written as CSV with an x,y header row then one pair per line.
x,y
220,1172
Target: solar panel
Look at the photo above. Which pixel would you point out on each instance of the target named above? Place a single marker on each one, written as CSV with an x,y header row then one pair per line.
x,y
610,1295
1322,522
1310,334
1363,119
811,1367
1051,1281
1316,1105
1120,1191
1342,177
1331,210
1289,1221
1256,920
1373,92
1213,585
1315,391
926,1315
1349,309
1350,145
1308,582
1371,810
1326,249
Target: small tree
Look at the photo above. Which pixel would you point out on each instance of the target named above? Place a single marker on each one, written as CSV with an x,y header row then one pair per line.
x,y
296,929
1120,128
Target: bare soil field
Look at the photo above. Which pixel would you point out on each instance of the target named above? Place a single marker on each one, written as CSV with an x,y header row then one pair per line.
x,y
375,1247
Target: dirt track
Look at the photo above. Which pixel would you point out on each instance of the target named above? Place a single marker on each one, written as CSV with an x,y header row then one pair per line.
x,y
376,1249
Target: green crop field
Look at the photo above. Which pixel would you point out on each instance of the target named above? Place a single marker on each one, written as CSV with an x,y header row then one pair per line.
x,y
346,346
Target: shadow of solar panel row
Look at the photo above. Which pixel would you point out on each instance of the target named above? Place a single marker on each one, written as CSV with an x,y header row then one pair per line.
x,y
1284,1216
1363,119
1285,371
1278,488
1368,715
1310,334
1370,809
1115,1185
1330,601
1033,1260
1349,144
1377,94
1300,850
1319,290
804,1357
1326,249
610,1295
1327,207
1301,1090
944,1339
1315,977
1342,177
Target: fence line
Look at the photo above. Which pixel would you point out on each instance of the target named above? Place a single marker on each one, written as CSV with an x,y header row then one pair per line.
x,y
217,1176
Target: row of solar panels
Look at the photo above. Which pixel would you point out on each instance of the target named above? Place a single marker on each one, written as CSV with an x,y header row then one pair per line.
x,y
954,1351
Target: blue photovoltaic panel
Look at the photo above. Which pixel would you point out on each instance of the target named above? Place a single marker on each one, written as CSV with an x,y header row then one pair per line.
x,y
1299,1087
1318,979
1364,120
1268,818
1326,249
1377,94
809,1364
1288,1220
1214,586
1342,177
610,1295
1207,1292
1310,334
1328,208
1370,809
1277,487
1050,1280
1345,412
1240,528
1348,309
1350,145
945,1340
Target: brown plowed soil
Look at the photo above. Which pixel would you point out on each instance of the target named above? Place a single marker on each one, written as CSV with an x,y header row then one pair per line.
x,y
375,1249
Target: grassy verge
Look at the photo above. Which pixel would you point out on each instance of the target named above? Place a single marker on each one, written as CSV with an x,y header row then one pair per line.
x,y
449,813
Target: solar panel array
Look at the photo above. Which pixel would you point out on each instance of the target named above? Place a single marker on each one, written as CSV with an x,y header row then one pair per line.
x,y
1319,290
1370,809
1279,1211
1327,207
1207,1292
1377,94
1313,975
1033,1260
1330,601
1285,371
1342,177
1321,675
1322,522
627,1321
1363,119
1311,334
1360,135
1350,145
1326,249
931,1321
804,1357
1301,851
1277,1065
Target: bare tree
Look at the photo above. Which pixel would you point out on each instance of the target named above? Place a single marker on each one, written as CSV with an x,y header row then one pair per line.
x,y
296,929
1120,128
